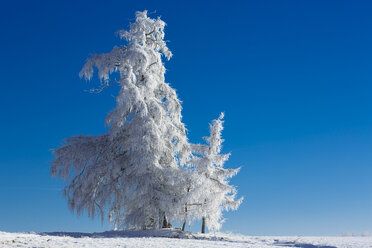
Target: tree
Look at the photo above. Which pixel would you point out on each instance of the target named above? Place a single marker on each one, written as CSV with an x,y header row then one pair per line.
x,y
132,172
142,173
211,193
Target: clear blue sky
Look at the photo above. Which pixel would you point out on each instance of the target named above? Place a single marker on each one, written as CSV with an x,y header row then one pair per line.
x,y
294,78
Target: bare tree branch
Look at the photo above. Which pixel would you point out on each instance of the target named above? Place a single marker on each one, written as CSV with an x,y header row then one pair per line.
x,y
99,90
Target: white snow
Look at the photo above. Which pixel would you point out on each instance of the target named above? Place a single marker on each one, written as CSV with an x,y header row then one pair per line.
x,y
173,238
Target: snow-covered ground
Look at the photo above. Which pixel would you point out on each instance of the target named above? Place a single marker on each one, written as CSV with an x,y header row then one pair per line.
x,y
173,238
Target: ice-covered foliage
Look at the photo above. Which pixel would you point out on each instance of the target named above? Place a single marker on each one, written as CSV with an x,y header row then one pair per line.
x,y
136,174
210,192
134,169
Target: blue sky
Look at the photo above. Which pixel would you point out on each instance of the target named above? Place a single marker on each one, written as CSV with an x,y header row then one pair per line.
x,y
293,77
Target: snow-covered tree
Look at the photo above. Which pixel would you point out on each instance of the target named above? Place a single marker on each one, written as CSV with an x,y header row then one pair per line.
x,y
136,173
133,172
210,192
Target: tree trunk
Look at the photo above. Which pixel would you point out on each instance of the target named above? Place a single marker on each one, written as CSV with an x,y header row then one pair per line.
x,y
184,222
183,225
165,222
203,225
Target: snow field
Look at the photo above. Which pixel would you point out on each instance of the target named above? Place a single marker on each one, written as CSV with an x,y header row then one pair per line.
x,y
169,238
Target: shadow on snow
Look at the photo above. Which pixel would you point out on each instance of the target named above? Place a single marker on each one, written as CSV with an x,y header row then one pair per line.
x,y
299,245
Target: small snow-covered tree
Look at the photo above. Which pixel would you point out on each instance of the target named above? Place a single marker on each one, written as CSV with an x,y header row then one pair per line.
x,y
210,191
131,173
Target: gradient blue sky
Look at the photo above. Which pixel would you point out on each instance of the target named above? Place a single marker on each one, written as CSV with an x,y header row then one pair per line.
x,y
294,78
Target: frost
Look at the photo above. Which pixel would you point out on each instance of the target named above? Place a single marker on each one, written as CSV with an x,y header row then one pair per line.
x,y
143,173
